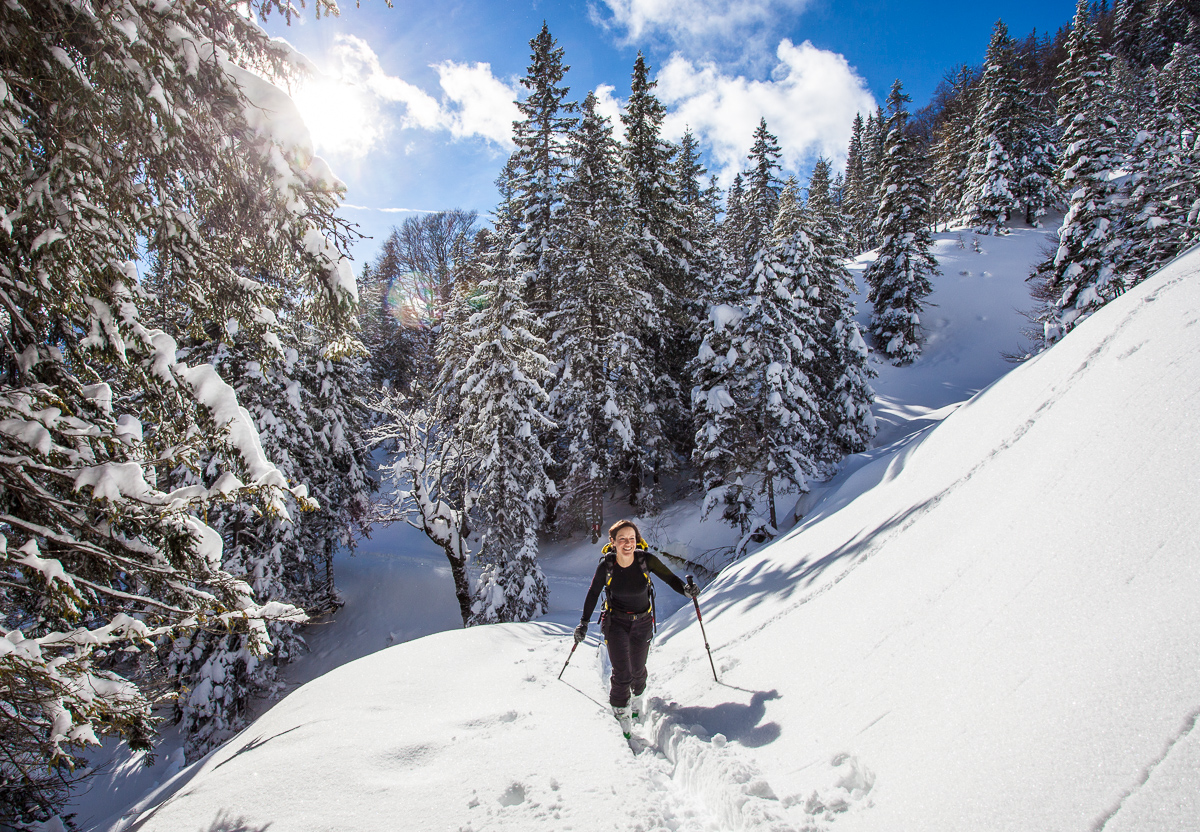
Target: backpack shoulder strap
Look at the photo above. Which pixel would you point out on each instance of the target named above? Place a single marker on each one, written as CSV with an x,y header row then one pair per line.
x,y
609,559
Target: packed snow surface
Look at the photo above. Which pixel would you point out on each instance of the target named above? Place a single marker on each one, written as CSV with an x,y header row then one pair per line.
x,y
985,624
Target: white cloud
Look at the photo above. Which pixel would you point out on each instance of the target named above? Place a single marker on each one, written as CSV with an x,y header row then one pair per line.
x,y
743,26
485,105
609,106
354,104
809,103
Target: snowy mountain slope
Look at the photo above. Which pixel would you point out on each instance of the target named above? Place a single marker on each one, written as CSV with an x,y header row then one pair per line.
x,y
1006,624
999,635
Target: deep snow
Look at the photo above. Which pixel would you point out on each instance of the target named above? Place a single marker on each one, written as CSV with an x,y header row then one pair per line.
x,y
986,622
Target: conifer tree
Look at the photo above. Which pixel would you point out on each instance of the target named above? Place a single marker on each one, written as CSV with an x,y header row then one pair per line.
x,y
874,164
732,230
841,366
1130,28
653,210
124,129
856,202
303,403
604,372
991,189
501,422
656,223
539,167
1077,278
699,207
1159,192
757,414
700,204
1035,152
899,277
953,140
763,187
1169,22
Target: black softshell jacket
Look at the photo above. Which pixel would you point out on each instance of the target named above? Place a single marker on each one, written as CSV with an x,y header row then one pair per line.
x,y
629,590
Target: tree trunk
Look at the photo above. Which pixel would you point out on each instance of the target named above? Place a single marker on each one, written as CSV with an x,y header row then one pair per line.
x,y
462,585
771,499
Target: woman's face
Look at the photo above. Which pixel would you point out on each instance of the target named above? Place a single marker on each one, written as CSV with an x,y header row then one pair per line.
x,y
625,541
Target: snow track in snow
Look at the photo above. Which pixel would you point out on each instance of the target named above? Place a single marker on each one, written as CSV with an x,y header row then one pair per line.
x,y
1177,769
713,773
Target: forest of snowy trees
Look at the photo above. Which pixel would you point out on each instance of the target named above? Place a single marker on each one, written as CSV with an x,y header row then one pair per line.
x,y
616,329
192,377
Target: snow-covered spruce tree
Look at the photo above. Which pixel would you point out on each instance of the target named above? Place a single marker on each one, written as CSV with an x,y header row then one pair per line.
x,y
602,394
953,140
1011,165
990,196
720,428
731,233
763,187
1161,189
899,277
1130,26
539,168
653,210
841,365
854,203
699,203
874,163
1078,277
118,126
656,226
501,423
1167,23
757,411
1035,151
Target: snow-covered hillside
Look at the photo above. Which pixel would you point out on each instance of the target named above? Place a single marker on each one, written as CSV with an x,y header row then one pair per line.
x,y
1000,634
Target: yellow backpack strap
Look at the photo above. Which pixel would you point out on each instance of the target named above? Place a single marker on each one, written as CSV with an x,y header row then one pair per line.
x,y
608,557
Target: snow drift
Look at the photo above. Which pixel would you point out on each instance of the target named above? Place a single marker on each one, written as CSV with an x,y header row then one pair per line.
x,y
1001,634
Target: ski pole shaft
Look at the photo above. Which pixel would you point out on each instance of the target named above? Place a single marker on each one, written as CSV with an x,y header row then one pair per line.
x,y
700,619
568,661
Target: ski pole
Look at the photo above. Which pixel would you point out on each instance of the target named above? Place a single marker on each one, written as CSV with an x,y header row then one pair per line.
x,y
568,661
700,618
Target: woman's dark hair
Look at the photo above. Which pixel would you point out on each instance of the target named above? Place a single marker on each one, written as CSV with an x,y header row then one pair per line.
x,y
621,524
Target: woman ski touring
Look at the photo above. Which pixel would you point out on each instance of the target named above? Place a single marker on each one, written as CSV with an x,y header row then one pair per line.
x,y
627,622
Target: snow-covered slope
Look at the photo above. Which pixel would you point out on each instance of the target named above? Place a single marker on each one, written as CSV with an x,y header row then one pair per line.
x,y
1000,635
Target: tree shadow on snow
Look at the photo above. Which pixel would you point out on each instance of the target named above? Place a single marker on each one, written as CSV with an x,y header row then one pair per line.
x,y
770,580
738,722
225,822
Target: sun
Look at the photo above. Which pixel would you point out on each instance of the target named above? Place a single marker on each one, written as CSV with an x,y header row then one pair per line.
x,y
341,118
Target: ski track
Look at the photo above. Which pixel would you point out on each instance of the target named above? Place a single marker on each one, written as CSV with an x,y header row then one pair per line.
x,y
698,782
1189,725
702,782
691,767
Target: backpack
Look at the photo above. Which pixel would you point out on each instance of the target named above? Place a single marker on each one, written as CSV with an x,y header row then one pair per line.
x,y
608,557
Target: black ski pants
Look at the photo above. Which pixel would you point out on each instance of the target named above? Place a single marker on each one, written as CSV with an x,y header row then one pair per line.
x,y
628,641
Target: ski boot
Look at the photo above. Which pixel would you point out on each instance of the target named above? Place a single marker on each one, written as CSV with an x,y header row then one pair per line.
x,y
637,706
621,713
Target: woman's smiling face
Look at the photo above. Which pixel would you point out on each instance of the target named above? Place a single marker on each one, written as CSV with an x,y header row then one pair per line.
x,y
625,541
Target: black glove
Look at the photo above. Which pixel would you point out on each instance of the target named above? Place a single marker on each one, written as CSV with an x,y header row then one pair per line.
x,y
580,632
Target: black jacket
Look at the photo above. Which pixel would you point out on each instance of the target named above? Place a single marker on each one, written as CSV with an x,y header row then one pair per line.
x,y
630,587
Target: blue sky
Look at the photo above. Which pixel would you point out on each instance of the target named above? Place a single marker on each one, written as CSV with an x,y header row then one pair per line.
x,y
413,103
